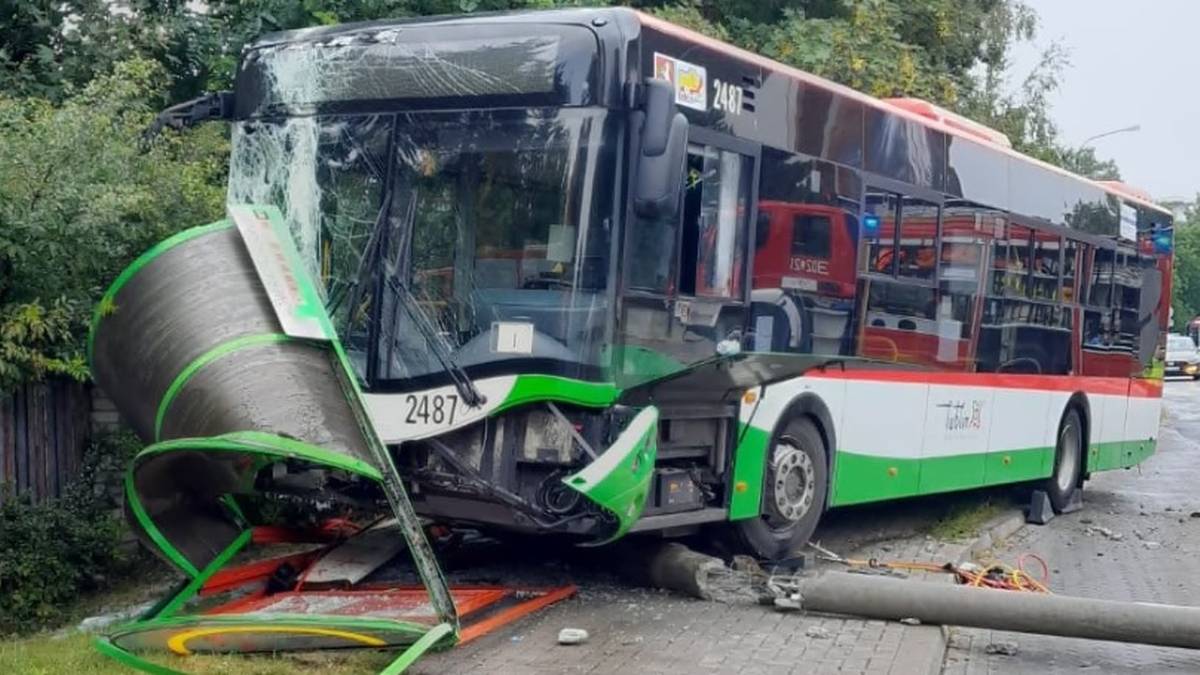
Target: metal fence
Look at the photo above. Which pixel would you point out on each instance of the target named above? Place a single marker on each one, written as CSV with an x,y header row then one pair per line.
x,y
43,430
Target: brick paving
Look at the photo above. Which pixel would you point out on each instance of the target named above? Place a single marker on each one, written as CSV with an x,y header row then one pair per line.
x,y
636,630
1152,504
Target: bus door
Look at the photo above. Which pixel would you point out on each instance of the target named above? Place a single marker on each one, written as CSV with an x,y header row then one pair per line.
x,y
686,282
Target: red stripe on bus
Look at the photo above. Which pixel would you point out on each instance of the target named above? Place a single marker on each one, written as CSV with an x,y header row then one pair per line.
x,y
1111,386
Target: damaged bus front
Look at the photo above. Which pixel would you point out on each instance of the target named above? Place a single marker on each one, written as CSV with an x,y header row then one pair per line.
x,y
457,187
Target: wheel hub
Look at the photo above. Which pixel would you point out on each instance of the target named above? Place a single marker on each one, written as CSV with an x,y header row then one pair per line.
x,y
794,483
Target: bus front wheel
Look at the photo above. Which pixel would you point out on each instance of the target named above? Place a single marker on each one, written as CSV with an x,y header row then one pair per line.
x,y
795,482
1068,461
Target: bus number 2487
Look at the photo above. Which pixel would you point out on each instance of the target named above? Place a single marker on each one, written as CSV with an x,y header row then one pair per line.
x,y
727,97
431,408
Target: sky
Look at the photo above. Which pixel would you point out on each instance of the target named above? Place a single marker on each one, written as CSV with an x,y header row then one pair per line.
x,y
1131,62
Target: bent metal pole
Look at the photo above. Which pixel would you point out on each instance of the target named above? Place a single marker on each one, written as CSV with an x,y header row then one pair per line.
x,y
940,603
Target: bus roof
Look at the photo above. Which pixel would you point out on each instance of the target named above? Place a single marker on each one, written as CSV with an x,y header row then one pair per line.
x,y
970,134
948,122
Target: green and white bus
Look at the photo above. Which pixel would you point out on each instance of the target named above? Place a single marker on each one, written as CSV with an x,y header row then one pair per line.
x,y
599,274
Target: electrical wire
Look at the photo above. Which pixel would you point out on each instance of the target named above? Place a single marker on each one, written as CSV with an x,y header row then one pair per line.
x,y
994,575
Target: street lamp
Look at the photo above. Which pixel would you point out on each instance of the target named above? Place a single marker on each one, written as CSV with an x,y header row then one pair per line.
x,y
1089,139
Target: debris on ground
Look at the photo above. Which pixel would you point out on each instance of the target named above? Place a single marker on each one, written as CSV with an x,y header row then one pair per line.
x,y
1151,545
818,633
1002,648
95,624
572,636
1104,532
910,621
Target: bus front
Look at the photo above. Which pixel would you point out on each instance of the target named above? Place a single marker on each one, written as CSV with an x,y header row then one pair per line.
x,y
456,188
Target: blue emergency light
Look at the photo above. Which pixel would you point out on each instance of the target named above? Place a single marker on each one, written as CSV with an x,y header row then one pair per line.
x,y
871,224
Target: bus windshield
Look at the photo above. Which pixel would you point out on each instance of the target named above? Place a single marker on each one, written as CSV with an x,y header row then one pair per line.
x,y
488,231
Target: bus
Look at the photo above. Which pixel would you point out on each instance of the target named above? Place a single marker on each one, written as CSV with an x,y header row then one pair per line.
x,y
599,274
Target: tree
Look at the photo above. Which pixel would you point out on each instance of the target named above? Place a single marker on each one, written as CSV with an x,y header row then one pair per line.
x,y
79,199
1185,289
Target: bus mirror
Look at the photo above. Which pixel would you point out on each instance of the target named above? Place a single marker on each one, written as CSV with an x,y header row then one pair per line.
x,y
660,113
659,177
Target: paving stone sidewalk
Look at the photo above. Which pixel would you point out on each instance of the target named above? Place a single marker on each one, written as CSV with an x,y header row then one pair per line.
x,y
646,631
1134,540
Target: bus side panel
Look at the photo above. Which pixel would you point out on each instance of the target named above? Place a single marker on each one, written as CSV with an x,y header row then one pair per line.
x,y
880,440
1141,421
758,420
1108,432
956,437
1019,447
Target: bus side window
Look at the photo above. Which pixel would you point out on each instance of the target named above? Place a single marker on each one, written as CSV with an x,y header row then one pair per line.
x,y
880,216
715,207
918,238
805,264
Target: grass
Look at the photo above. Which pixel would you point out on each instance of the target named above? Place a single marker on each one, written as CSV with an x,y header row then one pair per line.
x,y
70,651
963,520
52,654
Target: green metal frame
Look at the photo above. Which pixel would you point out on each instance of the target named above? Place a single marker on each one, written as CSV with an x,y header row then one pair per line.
x,y
270,447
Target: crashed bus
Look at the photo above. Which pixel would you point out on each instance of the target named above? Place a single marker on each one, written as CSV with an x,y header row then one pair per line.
x,y
546,240
589,273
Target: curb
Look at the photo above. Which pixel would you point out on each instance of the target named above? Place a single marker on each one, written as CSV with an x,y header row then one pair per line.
x,y
993,533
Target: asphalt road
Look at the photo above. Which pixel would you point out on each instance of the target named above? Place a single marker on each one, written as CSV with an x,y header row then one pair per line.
x,y
1152,555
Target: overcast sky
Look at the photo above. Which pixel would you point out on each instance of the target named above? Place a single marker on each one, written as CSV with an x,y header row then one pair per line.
x,y
1131,62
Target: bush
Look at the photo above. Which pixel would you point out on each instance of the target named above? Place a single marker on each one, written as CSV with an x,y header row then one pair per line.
x,y
80,198
55,550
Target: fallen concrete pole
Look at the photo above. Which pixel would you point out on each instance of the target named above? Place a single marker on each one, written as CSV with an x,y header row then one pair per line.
x,y
880,597
675,567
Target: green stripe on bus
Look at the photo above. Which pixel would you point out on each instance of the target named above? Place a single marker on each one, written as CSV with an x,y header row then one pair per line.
x,y
748,465
106,301
1119,454
204,359
532,388
859,478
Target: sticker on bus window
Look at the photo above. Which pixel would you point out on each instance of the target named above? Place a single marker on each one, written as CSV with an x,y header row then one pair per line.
x,y
690,80
512,337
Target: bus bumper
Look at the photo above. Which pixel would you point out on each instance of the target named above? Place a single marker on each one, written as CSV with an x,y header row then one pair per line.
x,y
618,480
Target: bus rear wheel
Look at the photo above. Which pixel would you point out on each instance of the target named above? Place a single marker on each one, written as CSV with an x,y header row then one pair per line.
x,y
1068,461
795,483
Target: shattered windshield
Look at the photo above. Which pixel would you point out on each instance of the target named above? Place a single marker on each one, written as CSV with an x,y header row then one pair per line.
x,y
494,226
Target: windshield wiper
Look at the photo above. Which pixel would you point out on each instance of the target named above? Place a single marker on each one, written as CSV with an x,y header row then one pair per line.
x,y
372,259
471,395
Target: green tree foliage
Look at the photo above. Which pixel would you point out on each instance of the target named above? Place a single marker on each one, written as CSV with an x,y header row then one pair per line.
x,y
79,199
1185,289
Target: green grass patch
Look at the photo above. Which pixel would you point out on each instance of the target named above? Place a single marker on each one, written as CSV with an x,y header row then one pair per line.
x,y
964,519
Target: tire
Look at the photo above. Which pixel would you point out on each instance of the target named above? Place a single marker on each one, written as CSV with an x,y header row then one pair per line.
x,y
797,471
1068,461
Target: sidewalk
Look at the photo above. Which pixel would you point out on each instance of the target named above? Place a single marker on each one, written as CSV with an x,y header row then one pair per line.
x,y
647,631
1134,540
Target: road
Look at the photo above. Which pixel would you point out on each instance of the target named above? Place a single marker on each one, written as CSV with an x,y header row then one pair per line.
x,y
1153,555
